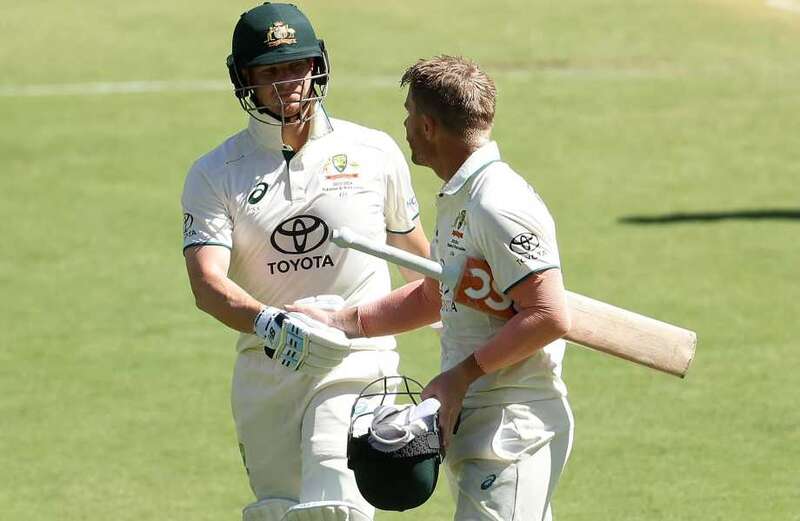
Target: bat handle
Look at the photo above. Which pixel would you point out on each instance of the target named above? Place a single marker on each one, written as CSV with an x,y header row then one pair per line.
x,y
346,238
342,237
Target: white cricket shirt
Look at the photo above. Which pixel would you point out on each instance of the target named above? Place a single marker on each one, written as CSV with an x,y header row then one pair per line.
x,y
488,211
276,217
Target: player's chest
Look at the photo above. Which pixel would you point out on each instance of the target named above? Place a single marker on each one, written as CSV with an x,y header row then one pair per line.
x,y
466,304
267,182
306,195
452,238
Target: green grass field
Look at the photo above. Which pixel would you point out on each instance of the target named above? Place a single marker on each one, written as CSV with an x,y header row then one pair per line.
x,y
114,388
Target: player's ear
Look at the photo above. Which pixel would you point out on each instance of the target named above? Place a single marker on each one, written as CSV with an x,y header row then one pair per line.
x,y
429,126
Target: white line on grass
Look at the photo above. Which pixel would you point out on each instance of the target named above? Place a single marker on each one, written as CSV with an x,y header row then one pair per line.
x,y
112,87
136,87
785,5
144,86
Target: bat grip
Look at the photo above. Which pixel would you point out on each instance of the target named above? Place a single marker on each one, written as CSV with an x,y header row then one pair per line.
x,y
346,238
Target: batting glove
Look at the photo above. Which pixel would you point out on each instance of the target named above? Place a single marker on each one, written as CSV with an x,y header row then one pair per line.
x,y
300,343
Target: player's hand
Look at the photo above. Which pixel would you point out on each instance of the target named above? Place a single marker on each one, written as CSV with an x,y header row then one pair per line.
x,y
319,307
320,315
328,303
450,387
327,309
300,343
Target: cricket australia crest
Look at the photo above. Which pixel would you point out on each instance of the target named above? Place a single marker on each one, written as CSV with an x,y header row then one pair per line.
x,y
458,230
460,220
280,34
341,175
339,162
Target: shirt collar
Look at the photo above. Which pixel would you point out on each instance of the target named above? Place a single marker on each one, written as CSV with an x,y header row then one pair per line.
x,y
269,136
476,162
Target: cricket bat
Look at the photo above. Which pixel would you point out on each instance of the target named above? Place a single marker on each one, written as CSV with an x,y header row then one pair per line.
x,y
595,324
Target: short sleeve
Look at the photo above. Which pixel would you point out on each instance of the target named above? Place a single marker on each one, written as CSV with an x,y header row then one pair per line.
x,y
206,219
517,239
400,207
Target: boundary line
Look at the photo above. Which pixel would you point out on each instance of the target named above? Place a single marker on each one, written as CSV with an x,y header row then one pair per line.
x,y
785,5
156,86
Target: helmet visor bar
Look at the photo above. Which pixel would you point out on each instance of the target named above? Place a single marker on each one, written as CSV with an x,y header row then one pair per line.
x,y
389,387
309,99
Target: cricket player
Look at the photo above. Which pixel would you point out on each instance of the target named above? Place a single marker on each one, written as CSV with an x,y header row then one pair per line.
x,y
503,377
257,214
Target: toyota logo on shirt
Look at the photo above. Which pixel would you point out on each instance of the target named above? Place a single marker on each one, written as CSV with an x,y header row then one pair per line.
x,y
299,234
524,243
188,221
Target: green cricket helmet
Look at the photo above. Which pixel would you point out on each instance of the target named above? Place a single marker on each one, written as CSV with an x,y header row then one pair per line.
x,y
275,33
394,450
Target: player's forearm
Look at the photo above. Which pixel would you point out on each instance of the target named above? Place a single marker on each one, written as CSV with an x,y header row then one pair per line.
x,y
226,301
409,275
520,337
542,318
523,335
412,306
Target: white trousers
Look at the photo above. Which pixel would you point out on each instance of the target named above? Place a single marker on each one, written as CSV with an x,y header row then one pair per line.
x,y
505,461
292,428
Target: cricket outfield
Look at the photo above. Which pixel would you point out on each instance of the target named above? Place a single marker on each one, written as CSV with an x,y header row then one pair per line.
x,y
663,135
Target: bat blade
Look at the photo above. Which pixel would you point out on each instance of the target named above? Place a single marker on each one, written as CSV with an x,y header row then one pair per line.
x,y
630,336
595,324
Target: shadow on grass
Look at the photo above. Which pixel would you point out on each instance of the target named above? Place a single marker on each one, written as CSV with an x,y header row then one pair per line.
x,y
689,217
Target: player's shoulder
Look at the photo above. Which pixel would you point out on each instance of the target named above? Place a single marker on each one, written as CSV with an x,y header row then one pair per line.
x,y
498,186
363,136
499,193
220,158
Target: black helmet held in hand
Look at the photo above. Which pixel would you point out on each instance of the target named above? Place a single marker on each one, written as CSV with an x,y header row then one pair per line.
x,y
397,468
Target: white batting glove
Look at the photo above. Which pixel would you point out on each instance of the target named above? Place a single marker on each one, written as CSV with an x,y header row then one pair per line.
x,y
266,325
301,343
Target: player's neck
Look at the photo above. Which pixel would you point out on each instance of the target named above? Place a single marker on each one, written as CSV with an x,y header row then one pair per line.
x,y
296,135
454,153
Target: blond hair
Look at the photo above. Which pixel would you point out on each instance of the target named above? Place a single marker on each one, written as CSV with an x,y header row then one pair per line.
x,y
455,91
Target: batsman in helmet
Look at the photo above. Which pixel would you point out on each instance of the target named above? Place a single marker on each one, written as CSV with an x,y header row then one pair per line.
x,y
257,214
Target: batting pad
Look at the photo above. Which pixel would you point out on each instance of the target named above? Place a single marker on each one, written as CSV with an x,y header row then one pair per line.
x,y
270,509
325,511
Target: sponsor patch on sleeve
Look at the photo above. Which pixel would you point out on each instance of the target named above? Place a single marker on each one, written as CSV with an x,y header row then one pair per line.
x,y
188,223
526,245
